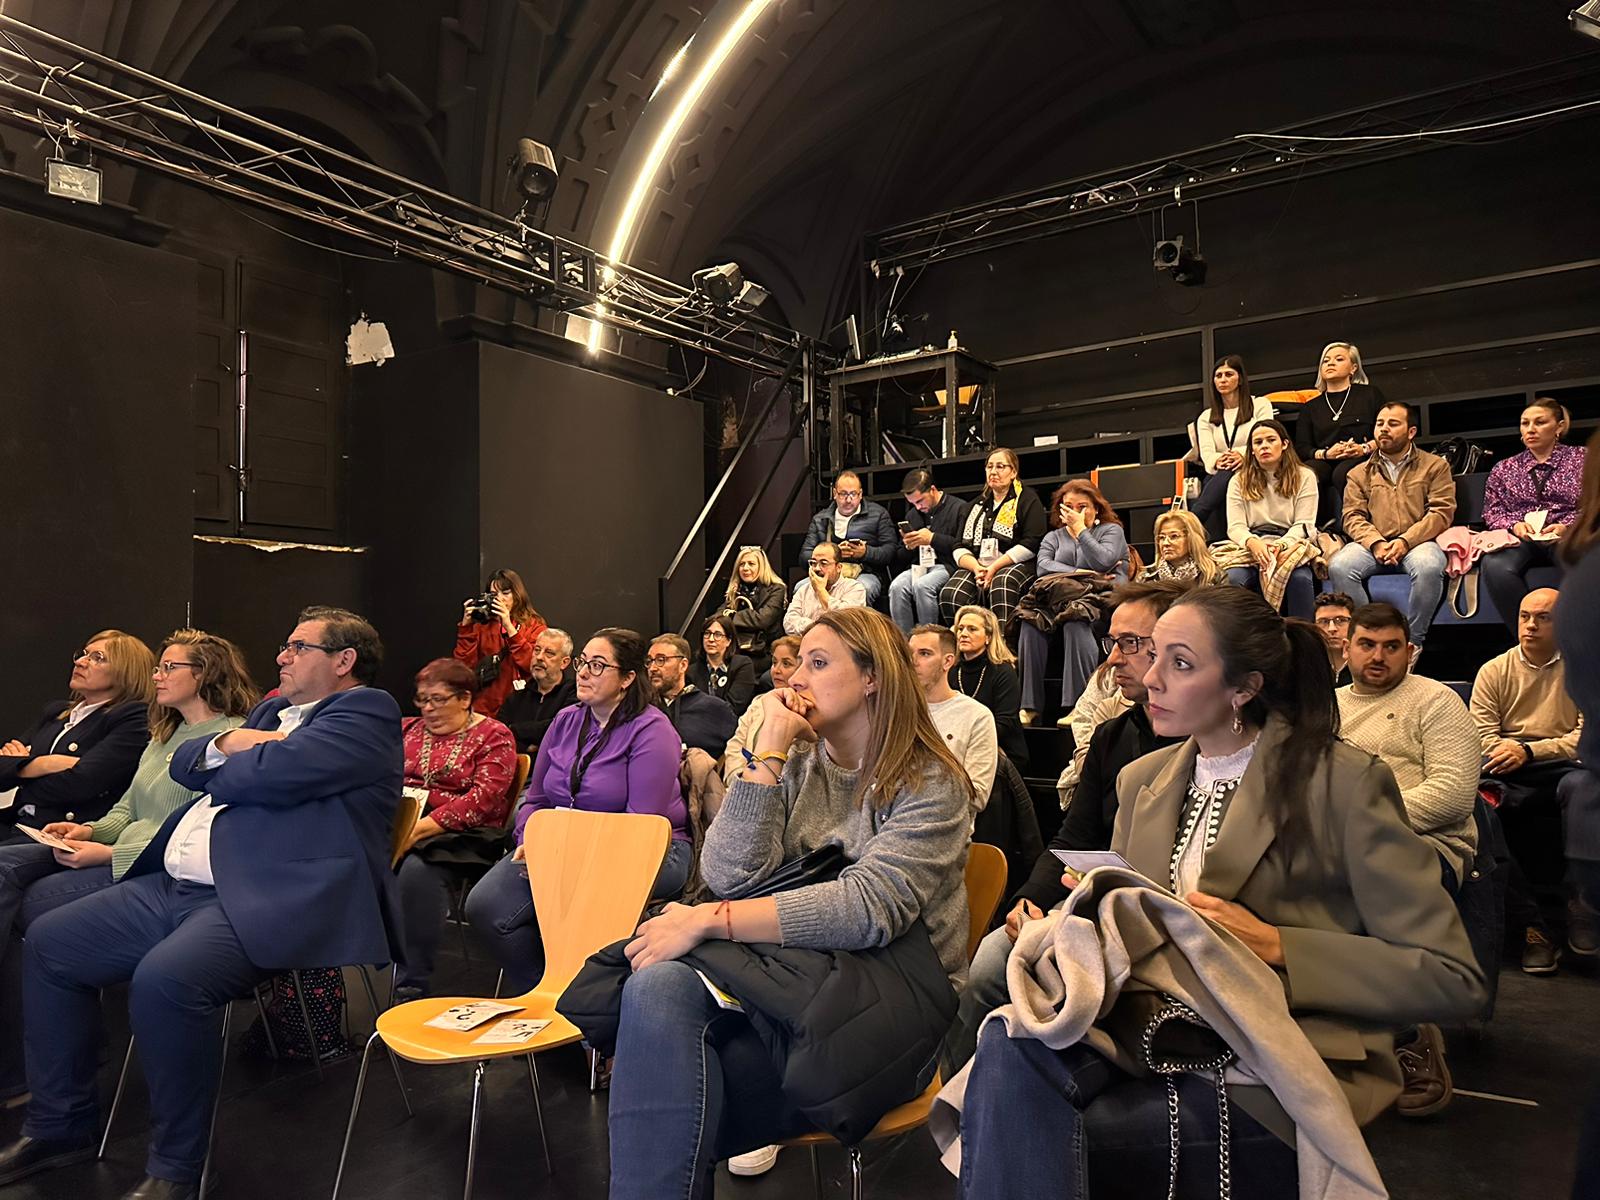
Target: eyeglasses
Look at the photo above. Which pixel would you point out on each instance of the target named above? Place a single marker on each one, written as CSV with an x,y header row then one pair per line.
x,y
714,635
436,701
819,563
846,494
1129,643
94,656
296,649
1333,622
167,668
593,666
660,660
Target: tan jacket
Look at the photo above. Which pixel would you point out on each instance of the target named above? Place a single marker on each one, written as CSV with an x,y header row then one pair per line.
x,y
1419,506
1371,940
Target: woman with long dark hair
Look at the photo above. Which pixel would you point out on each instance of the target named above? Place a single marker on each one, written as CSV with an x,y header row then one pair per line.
x,y
1297,845
496,641
1221,433
1272,513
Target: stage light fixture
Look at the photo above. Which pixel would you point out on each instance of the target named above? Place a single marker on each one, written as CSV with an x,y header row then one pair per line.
x,y
1185,263
533,167
1585,19
719,284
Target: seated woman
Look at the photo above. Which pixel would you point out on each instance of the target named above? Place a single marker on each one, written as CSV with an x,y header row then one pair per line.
x,y
1086,536
694,1084
987,672
721,671
1294,842
612,751
1547,478
754,605
498,644
994,559
1333,433
1272,512
460,764
201,690
1181,550
1222,432
785,660
80,756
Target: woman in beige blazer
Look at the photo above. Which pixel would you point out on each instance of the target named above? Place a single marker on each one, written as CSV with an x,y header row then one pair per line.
x,y
1293,841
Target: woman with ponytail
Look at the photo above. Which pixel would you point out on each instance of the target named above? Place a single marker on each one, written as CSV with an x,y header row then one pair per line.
x,y
1296,844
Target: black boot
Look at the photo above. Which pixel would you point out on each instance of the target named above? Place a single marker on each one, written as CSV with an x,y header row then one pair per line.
x,y
23,1156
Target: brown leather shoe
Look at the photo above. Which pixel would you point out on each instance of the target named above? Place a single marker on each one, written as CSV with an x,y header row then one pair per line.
x,y
1427,1077
1539,954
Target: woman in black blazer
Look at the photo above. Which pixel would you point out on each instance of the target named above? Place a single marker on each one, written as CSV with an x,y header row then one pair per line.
x,y
721,671
1333,433
80,756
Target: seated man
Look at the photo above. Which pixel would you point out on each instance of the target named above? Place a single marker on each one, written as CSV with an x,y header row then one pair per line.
x,y
282,863
862,531
822,588
929,535
529,710
1092,813
1530,728
968,726
703,721
1395,505
1333,613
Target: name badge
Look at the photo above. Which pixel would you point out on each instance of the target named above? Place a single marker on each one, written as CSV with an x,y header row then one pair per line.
x,y
518,685
988,550
925,557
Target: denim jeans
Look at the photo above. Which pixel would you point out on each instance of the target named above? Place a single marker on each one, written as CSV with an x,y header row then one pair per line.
x,y
872,583
1043,1124
914,600
1080,655
1353,565
1299,594
984,992
1211,505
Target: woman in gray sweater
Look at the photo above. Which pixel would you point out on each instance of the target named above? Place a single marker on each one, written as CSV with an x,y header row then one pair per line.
x,y
693,1083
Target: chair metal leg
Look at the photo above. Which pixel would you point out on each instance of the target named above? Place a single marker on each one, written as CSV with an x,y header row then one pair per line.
x,y
857,1191
538,1111
116,1098
459,899
305,1015
266,1023
816,1173
499,982
216,1103
399,1080
472,1132
355,1107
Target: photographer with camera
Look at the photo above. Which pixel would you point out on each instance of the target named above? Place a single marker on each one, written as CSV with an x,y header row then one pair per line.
x,y
496,637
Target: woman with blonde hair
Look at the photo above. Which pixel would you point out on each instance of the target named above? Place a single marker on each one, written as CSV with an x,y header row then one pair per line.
x,y
1272,512
754,604
1181,550
1333,432
81,754
694,1082
987,671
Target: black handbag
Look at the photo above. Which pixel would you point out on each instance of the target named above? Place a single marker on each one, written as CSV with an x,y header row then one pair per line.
x,y
820,866
1176,1039
487,670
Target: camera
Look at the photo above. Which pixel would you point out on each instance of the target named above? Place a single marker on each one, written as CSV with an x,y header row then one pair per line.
x,y
481,611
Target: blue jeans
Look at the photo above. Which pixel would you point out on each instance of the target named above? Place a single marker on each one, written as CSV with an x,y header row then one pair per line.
x,y
1066,1124
693,1084
1353,565
1080,655
914,601
1210,507
184,960
500,914
873,584
1299,594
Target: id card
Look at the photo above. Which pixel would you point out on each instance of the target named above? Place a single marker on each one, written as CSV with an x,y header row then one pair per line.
x,y
988,550
925,557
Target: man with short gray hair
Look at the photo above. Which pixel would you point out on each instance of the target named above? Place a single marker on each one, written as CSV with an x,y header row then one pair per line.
x,y
550,687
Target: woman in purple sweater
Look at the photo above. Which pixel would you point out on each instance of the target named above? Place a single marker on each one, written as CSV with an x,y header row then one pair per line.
x,y
612,751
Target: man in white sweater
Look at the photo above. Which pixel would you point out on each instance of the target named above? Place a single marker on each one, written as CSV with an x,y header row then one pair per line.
x,y
968,726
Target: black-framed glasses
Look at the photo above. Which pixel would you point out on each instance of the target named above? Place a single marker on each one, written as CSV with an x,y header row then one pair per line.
x,y
94,656
820,563
167,668
846,494
714,635
298,648
1333,622
593,666
436,701
1129,643
661,660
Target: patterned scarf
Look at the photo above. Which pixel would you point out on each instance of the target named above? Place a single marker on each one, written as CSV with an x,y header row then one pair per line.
x,y
1004,523
1165,570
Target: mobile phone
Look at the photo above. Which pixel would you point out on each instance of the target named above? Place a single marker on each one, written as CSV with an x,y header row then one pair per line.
x,y
905,527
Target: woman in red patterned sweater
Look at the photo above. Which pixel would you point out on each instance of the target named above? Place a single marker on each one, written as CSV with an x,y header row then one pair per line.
x,y
499,649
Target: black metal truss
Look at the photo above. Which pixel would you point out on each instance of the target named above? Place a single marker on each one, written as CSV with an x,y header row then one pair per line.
x,y
79,99
1497,107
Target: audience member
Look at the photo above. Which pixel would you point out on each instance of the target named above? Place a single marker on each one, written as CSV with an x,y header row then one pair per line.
x,y
612,751
1269,826
294,825
822,590
966,725
999,540
1395,504
1222,436
1102,699
785,660
529,710
987,672
1090,818
1272,512
496,640
693,1083
1533,495
703,721
1086,538
928,537
721,671
81,754
754,604
1181,550
460,765
1333,433
862,531
201,689
1530,729
1333,613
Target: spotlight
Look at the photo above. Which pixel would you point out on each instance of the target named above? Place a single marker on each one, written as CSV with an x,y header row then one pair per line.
x,y
533,167
1187,265
1585,19
720,284
751,297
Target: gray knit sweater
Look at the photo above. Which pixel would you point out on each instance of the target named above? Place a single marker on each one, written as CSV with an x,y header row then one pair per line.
x,y
906,860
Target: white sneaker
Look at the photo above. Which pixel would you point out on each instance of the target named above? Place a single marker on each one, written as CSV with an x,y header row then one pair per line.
x,y
757,1162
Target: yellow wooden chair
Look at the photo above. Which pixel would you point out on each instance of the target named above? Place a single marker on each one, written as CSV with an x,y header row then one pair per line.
x,y
986,881
591,875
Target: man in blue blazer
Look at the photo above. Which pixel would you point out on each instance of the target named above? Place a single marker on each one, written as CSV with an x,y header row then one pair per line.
x,y
282,863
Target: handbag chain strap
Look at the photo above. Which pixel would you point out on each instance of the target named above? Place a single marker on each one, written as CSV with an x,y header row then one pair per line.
x,y
1173,1010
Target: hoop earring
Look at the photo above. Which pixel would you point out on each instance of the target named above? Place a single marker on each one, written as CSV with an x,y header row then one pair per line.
x,y
1238,725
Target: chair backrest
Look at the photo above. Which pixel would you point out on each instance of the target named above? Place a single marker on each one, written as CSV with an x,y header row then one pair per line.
x,y
518,782
986,883
405,816
591,874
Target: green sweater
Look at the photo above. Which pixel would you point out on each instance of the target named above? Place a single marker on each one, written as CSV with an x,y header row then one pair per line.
x,y
152,797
